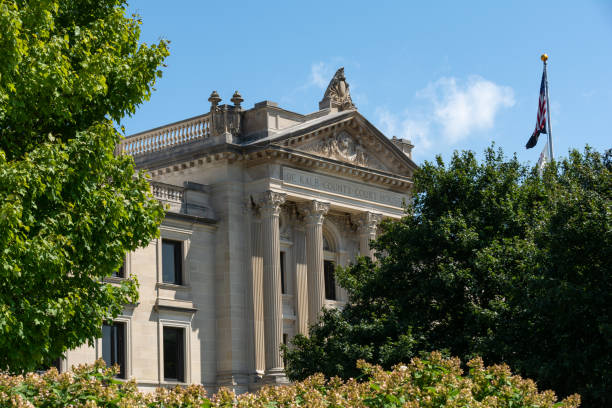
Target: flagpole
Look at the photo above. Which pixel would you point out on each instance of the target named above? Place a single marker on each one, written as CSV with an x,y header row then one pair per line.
x,y
544,58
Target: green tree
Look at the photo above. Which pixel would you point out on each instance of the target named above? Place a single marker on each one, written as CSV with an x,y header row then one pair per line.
x,y
69,209
491,260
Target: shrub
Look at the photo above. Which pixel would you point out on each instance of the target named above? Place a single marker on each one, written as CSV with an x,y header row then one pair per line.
x,y
433,381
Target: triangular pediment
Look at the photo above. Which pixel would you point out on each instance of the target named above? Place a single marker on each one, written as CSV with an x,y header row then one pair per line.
x,y
349,138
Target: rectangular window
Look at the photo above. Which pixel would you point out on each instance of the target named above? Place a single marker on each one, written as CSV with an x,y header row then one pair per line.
x,y
120,273
174,354
330,280
113,346
283,280
57,363
172,261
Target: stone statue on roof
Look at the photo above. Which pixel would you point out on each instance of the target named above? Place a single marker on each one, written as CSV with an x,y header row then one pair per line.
x,y
337,94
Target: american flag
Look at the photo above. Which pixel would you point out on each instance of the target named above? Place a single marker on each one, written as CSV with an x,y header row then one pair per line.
x,y
541,121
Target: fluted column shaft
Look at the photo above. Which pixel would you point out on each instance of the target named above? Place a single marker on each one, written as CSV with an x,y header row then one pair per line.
x,y
258,312
367,223
301,281
314,213
270,203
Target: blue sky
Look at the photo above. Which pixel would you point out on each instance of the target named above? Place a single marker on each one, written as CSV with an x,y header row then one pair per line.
x,y
446,74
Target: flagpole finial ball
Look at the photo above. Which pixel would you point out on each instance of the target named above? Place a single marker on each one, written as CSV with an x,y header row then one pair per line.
x,y
544,57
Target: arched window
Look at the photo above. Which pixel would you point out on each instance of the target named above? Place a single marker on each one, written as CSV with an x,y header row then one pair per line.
x,y
329,266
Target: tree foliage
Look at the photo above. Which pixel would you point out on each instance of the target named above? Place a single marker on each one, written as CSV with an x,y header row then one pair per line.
x,y
491,260
66,65
69,209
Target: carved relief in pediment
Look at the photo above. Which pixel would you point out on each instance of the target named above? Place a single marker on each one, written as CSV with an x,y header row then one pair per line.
x,y
343,147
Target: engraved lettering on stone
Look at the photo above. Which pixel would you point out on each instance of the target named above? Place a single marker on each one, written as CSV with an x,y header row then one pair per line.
x,y
343,187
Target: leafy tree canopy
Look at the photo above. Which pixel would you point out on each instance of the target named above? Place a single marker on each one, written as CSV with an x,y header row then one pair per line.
x,y
69,209
490,260
66,65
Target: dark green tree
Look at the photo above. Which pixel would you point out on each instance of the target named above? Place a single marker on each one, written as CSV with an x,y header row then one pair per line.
x,y
490,260
69,208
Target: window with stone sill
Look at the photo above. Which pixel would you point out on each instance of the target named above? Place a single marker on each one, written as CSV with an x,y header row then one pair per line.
x,y
174,354
172,262
57,363
329,265
120,273
283,273
114,346
330,279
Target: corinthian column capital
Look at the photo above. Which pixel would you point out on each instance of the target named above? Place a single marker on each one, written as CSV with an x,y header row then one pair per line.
x,y
269,202
367,222
314,211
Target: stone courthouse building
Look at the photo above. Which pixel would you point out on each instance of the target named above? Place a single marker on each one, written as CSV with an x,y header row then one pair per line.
x,y
262,204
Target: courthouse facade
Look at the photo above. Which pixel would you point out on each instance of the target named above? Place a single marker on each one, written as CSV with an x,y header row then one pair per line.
x,y
262,204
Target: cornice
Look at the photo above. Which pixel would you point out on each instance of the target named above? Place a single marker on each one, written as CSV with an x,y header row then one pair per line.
x,y
298,159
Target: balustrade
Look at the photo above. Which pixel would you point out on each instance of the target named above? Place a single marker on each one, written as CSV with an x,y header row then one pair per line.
x,y
166,137
167,192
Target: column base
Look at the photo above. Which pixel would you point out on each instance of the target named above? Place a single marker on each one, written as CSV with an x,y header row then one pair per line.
x,y
275,376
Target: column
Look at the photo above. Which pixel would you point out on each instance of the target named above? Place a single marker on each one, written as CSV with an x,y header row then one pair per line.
x,y
270,203
301,280
314,212
257,292
366,228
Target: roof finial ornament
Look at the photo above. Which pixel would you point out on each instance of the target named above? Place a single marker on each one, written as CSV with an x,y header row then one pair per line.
x,y
237,99
337,94
214,100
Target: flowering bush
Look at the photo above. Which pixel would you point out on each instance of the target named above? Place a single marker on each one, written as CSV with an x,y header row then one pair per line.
x,y
430,382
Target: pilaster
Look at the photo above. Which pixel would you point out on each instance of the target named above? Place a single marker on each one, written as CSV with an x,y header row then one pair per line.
x,y
231,286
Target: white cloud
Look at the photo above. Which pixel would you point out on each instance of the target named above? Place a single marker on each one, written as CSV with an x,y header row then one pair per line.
x,y
320,74
461,110
416,130
317,79
453,111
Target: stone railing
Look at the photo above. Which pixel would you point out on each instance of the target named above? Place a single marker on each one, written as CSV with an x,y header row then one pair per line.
x,y
171,196
190,199
165,137
167,192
